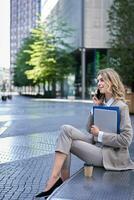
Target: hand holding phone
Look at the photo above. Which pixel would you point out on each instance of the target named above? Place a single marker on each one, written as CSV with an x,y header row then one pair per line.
x,y
99,95
98,98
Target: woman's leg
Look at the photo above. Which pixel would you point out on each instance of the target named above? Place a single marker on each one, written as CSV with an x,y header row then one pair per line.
x,y
68,135
65,170
87,152
64,142
56,170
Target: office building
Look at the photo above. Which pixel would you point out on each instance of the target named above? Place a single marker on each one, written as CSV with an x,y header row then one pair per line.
x,y
88,18
23,17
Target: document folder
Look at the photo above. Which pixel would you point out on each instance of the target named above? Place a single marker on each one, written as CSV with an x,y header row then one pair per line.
x,y
107,119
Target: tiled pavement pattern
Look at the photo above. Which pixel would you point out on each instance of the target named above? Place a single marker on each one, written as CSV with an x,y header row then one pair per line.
x,y
21,180
24,147
31,158
25,171
26,163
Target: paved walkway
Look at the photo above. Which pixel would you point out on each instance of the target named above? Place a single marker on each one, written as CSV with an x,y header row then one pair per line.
x,y
25,147
22,179
26,164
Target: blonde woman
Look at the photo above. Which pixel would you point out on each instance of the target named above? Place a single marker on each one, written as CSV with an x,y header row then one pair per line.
x,y
98,148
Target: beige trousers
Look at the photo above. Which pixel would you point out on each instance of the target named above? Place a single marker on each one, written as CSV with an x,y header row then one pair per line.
x,y
72,140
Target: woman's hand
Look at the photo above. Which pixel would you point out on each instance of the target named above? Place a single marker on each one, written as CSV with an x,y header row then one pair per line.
x,y
95,130
97,101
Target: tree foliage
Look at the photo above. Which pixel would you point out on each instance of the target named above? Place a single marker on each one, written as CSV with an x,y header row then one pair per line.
x,y
21,65
50,54
45,56
121,28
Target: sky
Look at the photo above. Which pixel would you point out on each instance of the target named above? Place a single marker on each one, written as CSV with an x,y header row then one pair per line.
x,y
4,33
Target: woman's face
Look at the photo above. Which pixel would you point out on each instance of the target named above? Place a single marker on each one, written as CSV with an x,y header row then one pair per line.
x,y
102,85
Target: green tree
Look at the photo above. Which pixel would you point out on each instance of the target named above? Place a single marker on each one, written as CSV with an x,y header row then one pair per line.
x,y
21,65
50,54
39,56
121,28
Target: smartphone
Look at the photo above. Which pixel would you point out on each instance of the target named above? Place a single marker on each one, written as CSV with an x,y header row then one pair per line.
x,y
99,95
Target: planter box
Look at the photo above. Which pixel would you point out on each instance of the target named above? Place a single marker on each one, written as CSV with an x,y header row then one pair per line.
x,y
130,102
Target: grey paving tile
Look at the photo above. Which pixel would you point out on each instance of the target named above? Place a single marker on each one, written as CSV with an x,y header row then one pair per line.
x,y
27,177
23,147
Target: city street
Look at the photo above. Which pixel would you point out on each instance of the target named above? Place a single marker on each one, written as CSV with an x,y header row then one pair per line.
x,y
28,131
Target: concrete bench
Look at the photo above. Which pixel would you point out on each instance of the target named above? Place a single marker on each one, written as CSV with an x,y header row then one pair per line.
x,y
103,185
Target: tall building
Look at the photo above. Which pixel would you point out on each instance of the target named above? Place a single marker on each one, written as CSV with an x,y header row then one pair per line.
x,y
88,18
24,15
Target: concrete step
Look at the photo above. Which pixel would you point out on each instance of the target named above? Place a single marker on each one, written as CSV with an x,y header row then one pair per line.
x,y
103,185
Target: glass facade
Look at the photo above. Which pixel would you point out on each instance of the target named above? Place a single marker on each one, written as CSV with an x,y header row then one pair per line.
x,y
95,18
88,19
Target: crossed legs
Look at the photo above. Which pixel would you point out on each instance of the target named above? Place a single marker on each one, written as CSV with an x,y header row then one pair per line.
x,y
71,140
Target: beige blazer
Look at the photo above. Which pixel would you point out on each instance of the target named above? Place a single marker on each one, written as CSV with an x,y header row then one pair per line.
x,y
115,146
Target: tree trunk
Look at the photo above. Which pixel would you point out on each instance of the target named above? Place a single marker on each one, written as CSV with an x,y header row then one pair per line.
x,y
53,88
39,89
62,88
44,89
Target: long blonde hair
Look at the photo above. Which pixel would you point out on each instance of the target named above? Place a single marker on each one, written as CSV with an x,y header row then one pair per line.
x,y
111,76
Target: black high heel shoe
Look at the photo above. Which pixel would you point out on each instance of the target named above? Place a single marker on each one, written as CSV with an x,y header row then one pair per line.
x,y
47,193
